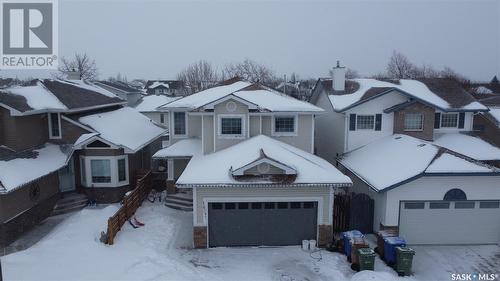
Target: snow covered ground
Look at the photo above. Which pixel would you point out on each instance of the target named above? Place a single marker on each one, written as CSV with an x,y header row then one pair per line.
x,y
161,250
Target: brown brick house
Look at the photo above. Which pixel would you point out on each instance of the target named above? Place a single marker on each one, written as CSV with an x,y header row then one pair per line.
x,y
48,129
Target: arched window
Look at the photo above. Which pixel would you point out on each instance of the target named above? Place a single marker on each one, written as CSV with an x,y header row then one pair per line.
x,y
455,194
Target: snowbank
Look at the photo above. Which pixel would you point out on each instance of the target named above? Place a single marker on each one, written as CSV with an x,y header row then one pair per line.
x,y
17,172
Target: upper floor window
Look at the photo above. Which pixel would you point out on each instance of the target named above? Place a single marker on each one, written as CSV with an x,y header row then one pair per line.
x,y
231,125
55,125
365,122
180,123
162,118
449,120
414,122
284,125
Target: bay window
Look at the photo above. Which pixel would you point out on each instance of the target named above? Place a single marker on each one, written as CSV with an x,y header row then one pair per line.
x,y
414,122
104,171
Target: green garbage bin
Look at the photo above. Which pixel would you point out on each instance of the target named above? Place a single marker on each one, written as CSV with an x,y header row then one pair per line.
x,y
404,259
366,259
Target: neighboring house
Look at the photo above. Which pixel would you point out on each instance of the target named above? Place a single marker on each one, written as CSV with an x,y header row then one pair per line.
x,y
298,90
409,146
487,124
59,136
122,90
245,151
148,105
165,87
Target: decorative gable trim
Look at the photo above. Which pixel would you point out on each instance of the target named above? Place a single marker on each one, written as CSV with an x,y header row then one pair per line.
x,y
264,159
211,105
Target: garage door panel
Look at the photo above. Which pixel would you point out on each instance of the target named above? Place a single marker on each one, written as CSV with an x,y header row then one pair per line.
x,y
261,224
451,225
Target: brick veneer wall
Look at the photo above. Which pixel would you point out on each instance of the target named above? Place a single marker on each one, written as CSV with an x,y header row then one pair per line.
x,y
200,236
428,129
325,234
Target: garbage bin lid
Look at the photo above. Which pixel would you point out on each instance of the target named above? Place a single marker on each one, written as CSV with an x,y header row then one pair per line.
x,y
395,240
405,249
366,251
353,233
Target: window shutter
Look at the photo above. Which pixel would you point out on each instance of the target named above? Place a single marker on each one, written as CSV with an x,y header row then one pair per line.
x,y
437,120
378,122
352,122
461,120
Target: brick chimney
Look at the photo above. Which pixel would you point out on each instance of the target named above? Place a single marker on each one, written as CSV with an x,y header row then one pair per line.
x,y
338,77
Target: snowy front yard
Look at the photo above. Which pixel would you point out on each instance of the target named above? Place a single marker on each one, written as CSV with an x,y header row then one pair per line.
x,y
161,251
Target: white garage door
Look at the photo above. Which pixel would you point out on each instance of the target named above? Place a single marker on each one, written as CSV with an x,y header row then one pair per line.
x,y
445,222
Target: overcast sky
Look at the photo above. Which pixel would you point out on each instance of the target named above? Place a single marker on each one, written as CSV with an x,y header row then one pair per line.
x,y
157,39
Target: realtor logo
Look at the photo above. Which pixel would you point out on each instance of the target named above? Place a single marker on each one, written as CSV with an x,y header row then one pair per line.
x,y
29,34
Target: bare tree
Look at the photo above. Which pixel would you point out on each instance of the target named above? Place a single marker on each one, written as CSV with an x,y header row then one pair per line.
x,y
82,63
400,67
199,76
251,71
449,73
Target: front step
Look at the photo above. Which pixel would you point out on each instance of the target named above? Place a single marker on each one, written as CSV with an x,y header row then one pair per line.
x,y
70,203
179,202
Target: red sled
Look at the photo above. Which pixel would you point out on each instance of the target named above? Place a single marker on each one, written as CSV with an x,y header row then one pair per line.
x,y
137,222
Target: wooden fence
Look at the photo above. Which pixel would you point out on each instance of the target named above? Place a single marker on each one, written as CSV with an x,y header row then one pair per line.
x,y
129,206
341,213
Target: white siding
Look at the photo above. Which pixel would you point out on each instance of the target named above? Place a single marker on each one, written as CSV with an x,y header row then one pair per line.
x,y
434,188
330,131
359,138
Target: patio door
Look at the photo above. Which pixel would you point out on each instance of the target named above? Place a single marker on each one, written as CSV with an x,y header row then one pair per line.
x,y
67,177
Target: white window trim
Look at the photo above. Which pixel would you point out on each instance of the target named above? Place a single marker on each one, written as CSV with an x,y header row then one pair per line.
x,y
172,122
413,130
441,120
50,125
235,136
374,121
285,134
114,171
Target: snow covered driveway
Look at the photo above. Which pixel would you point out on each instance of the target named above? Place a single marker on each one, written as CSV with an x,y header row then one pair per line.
x,y
161,251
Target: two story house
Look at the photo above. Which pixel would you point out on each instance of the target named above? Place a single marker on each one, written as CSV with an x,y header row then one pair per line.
x,y
164,87
246,154
148,105
409,146
60,136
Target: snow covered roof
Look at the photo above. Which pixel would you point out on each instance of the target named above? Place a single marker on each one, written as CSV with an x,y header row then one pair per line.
x,y
263,98
482,90
20,171
158,84
151,102
184,148
468,145
494,115
56,96
448,163
84,138
214,169
124,127
444,94
390,161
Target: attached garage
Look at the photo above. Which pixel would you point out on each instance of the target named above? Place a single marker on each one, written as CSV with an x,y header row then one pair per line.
x,y
450,222
261,223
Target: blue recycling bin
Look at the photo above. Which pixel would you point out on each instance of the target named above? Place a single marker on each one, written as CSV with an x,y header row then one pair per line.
x,y
390,244
346,236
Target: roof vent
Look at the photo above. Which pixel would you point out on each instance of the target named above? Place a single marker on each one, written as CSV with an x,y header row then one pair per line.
x,y
421,145
397,138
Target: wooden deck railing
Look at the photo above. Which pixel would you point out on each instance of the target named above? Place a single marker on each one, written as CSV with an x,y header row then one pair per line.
x,y
129,206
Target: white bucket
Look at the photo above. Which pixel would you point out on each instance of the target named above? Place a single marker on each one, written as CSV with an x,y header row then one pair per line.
x,y
305,245
312,245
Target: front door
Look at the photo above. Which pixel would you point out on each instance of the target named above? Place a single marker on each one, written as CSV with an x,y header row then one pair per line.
x,y
67,177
